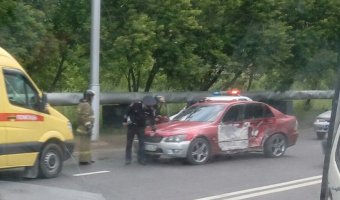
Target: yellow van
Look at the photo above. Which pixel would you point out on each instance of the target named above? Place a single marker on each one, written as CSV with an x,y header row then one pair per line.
x,y
33,135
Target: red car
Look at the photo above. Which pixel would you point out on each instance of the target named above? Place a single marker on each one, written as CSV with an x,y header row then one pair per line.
x,y
223,127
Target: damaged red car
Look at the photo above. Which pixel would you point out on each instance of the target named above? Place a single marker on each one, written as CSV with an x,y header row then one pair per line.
x,y
223,127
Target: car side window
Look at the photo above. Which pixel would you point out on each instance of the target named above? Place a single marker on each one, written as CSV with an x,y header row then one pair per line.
x,y
234,114
255,111
20,92
267,112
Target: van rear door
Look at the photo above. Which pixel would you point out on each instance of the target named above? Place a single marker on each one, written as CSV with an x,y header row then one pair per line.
x,y
24,123
3,160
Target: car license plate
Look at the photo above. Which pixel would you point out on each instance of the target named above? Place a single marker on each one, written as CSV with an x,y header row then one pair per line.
x,y
150,147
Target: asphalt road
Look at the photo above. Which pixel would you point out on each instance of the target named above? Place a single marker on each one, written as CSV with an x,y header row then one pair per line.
x,y
297,175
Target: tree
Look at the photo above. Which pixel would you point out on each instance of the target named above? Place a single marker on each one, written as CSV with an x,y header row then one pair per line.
x,y
314,52
148,38
47,37
243,40
176,44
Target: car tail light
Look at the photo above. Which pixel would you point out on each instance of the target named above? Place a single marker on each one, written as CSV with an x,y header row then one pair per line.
x,y
296,125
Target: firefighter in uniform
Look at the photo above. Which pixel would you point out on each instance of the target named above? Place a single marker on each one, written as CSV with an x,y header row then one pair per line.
x,y
138,116
85,125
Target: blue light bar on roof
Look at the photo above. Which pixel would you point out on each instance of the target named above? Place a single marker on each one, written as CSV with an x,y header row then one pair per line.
x,y
217,93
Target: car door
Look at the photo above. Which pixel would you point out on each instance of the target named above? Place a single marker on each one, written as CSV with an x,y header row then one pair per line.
x,y
23,123
233,130
261,122
334,167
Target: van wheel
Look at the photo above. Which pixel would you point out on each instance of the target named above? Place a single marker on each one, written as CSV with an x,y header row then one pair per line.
x,y
51,162
198,152
275,146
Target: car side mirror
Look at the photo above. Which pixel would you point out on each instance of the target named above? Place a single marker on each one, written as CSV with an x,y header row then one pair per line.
x,y
43,103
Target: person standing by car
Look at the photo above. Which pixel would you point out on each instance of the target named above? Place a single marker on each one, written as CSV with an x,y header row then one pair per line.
x,y
138,116
84,129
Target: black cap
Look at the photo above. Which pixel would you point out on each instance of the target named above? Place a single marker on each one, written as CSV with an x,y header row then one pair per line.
x,y
149,100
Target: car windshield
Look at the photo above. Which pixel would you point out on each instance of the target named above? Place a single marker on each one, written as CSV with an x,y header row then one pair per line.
x,y
200,113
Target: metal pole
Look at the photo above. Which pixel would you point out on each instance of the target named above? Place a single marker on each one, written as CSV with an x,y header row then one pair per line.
x,y
95,42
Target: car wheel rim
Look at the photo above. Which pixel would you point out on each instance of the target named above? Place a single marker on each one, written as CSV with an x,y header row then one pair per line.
x,y
200,152
278,146
51,161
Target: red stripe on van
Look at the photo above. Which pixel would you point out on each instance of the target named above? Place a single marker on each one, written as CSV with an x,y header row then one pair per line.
x,y
21,117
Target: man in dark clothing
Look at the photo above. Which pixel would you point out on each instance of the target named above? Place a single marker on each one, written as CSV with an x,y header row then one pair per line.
x,y
138,116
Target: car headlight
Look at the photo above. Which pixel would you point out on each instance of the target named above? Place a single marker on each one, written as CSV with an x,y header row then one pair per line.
x,y
175,138
320,120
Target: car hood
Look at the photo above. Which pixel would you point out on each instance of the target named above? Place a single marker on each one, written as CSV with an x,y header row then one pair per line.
x,y
325,115
179,127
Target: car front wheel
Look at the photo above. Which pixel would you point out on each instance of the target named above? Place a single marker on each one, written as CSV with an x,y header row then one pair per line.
x,y
275,146
198,152
51,161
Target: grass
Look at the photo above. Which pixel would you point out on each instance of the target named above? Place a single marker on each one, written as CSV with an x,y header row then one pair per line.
x,y
306,113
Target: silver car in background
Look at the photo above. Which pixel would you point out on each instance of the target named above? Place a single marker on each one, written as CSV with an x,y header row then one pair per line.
x,y
321,124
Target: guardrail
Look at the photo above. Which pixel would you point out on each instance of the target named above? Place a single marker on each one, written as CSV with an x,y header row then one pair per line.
x,y
67,99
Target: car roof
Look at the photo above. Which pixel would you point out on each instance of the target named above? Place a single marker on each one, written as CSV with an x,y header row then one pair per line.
x,y
227,103
325,115
227,98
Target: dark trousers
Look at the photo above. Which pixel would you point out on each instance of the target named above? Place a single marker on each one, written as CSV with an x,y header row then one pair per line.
x,y
131,132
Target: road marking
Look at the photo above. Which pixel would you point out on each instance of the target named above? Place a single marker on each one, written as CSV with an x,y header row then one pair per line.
x,y
293,184
91,173
274,190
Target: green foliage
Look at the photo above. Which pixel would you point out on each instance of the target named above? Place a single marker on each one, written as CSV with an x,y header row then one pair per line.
x,y
176,45
305,116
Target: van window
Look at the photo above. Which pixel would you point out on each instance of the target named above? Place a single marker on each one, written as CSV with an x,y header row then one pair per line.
x,y
20,91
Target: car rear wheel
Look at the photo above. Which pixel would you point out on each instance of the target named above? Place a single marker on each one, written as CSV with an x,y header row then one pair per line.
x,y
51,161
275,146
320,135
198,152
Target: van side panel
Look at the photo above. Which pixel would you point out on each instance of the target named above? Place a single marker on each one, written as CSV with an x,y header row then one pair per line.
x,y
25,128
22,159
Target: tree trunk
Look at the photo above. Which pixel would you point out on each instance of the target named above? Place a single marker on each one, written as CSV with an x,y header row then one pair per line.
x,y
211,80
251,78
151,77
232,82
59,72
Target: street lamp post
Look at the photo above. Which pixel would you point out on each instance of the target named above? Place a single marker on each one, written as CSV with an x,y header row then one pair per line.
x,y
95,46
